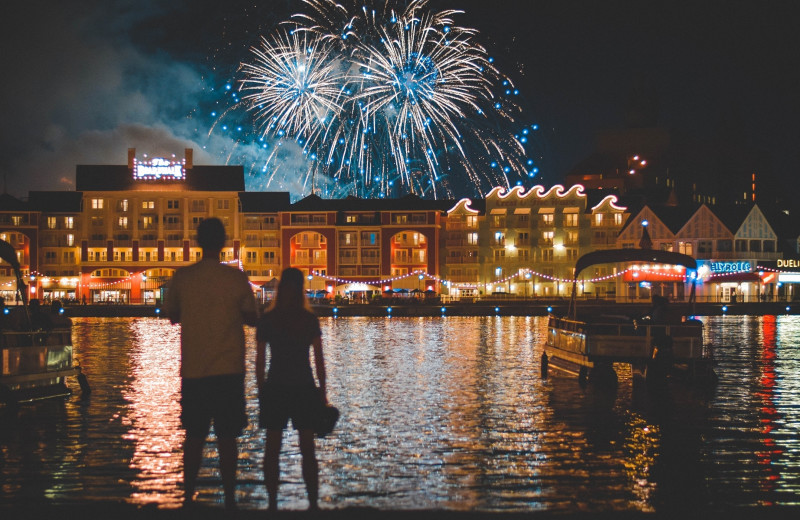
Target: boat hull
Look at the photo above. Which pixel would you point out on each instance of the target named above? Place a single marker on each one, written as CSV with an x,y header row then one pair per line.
x,y
587,343
35,365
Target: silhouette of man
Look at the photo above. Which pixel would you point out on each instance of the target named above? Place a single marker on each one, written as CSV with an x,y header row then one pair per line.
x,y
212,302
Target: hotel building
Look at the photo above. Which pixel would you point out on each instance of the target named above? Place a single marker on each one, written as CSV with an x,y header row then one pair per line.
x,y
123,232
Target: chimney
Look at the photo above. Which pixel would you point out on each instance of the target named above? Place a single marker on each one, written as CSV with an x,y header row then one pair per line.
x,y
131,157
187,154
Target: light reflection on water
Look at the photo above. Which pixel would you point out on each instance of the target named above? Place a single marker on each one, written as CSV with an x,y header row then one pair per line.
x,y
446,413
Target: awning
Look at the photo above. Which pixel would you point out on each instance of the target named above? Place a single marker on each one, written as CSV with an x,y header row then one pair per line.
x,y
733,278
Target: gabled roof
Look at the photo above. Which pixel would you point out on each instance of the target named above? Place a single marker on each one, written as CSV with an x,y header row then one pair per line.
x,y
674,217
264,201
11,203
56,201
119,178
733,216
406,203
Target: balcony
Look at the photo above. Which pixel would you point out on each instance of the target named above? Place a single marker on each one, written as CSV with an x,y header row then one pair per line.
x,y
348,260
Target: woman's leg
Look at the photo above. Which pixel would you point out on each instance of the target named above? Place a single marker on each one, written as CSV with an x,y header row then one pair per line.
x,y
310,467
272,454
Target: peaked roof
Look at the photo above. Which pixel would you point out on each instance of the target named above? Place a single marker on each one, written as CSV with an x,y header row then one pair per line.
x,y
56,201
11,203
119,178
406,203
264,201
733,216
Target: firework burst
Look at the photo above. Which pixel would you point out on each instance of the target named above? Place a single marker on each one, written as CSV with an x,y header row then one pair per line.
x,y
385,102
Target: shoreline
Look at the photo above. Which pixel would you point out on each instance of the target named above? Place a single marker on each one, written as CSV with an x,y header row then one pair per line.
x,y
121,511
479,308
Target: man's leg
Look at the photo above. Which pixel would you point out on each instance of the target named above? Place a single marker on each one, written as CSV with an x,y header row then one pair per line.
x,y
192,457
272,454
310,467
228,459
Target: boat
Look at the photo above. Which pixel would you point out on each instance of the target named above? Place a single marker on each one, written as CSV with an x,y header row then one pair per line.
x,y
35,362
588,345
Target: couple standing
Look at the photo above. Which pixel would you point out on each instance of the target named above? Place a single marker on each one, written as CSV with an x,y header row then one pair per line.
x,y
212,302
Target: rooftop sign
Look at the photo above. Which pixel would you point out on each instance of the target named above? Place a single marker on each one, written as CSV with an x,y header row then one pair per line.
x,y
158,168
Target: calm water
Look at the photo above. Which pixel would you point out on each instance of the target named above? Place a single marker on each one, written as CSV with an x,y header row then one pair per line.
x,y
445,413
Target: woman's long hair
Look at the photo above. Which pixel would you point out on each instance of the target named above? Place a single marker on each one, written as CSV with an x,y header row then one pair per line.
x,y
290,295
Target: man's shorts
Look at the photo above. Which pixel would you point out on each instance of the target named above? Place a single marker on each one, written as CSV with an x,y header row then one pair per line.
x,y
279,403
217,398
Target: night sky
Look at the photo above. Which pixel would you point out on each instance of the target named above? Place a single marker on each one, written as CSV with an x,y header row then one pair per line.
x,y
85,80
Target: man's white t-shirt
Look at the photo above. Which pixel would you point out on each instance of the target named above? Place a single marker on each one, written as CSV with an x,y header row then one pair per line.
x,y
211,301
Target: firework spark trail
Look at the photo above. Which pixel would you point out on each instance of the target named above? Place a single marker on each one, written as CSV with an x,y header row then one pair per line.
x,y
383,101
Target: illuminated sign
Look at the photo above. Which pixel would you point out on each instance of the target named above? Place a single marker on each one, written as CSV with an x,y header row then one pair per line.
x,y
158,169
789,277
729,267
788,263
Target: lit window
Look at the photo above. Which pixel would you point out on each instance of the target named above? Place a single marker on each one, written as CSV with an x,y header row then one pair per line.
x,y
51,222
97,203
69,222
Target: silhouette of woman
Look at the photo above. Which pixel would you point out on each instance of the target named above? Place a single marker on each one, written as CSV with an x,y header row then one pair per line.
x,y
289,392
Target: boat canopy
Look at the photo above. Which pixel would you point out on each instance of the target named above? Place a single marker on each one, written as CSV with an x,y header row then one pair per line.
x,y
609,256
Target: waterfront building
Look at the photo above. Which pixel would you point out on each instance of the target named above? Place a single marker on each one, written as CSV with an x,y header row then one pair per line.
x,y
526,243
728,242
123,232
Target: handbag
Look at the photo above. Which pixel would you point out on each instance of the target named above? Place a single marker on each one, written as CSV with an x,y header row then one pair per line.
x,y
326,419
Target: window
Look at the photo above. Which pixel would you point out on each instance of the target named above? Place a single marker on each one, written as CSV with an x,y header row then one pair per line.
x,y
122,205
148,204
547,238
223,204
122,222
69,257
251,256
725,245
498,221
347,239
369,238
351,219
755,246
548,219
50,257
523,239
686,248
148,222
69,222
97,221
572,255
51,222
472,239
97,203
523,219
472,221
198,205
547,255
70,239
196,222
617,219
571,219
598,219
499,239
399,219
524,254
173,204
704,246
571,238
499,254
269,257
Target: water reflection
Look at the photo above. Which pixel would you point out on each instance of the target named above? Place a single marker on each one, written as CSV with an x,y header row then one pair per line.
x,y
436,413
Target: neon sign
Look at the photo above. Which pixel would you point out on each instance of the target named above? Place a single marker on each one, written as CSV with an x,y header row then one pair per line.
x,y
157,169
730,267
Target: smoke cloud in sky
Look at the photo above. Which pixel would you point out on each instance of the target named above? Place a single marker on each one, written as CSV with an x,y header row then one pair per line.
x,y
80,88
